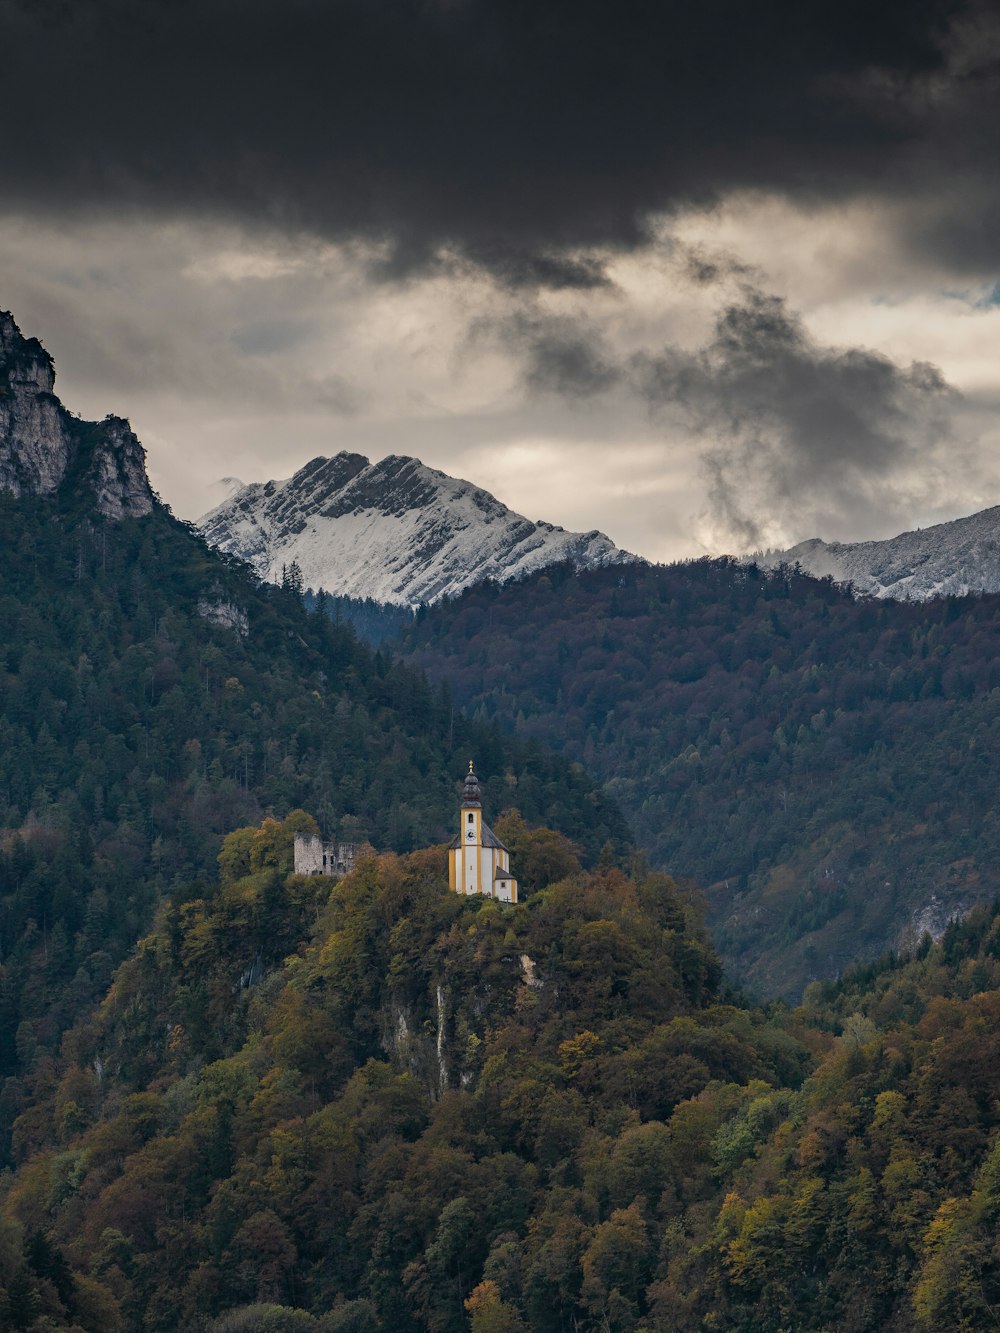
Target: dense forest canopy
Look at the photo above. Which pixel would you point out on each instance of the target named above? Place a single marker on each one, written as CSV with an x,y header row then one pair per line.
x,y
154,696
824,763
375,1105
355,1098
374,623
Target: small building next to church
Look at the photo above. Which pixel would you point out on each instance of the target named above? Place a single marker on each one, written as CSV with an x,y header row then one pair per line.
x,y
313,856
478,862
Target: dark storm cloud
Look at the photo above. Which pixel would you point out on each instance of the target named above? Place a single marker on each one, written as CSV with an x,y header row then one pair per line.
x,y
515,133
559,355
789,427
790,420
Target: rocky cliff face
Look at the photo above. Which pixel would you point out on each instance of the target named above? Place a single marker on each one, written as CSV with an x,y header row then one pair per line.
x,y
395,530
44,449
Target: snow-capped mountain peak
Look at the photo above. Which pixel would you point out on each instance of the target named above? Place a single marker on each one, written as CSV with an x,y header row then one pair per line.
x,y
951,558
395,530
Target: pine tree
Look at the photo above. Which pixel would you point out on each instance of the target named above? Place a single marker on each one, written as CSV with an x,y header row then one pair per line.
x,y
22,1303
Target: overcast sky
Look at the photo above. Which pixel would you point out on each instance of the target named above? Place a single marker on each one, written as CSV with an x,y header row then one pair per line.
x,y
708,277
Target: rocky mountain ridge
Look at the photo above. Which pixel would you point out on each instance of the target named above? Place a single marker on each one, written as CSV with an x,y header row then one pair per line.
x,y
395,531
948,559
44,448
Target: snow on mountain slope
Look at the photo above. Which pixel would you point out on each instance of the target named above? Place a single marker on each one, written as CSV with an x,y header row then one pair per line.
x,y
950,558
395,530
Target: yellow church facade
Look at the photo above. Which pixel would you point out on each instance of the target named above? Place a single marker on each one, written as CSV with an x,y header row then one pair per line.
x,y
478,862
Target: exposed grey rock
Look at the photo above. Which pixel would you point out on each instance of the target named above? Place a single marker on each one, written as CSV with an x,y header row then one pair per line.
x,y
117,471
530,972
219,612
44,448
35,444
933,919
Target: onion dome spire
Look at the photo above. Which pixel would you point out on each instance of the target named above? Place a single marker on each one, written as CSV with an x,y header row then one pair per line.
x,y
471,792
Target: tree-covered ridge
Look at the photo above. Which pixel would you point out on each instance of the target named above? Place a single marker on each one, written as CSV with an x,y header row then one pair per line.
x,y
430,1110
373,622
824,763
153,696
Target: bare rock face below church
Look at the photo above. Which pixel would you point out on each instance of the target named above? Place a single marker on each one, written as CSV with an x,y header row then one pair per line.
x,y
44,449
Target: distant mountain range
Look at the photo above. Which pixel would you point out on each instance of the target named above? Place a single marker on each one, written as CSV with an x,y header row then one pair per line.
x,y
401,533
947,559
395,531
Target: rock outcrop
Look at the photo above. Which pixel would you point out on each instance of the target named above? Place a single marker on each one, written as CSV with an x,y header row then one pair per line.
x,y
44,449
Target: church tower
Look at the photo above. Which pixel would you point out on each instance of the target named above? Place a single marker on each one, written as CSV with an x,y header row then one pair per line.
x,y
478,862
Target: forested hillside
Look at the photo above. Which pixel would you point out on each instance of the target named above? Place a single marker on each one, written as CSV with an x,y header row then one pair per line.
x,y
373,622
376,1106
153,696
409,1111
825,763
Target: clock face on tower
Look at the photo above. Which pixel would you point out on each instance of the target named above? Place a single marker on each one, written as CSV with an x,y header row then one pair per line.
x,y
471,834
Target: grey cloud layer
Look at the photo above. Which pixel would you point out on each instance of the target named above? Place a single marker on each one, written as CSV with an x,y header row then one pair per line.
x,y
515,133
790,427
683,382
793,423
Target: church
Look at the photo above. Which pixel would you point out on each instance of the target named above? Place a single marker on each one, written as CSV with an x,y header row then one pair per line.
x,y
478,862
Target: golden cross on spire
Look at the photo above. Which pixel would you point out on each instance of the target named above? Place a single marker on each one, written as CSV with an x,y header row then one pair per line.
x,y
470,765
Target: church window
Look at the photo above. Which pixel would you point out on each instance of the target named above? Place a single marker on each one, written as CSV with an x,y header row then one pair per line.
x,y
472,819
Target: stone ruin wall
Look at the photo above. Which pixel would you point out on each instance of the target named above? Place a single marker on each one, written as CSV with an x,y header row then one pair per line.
x,y
313,856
